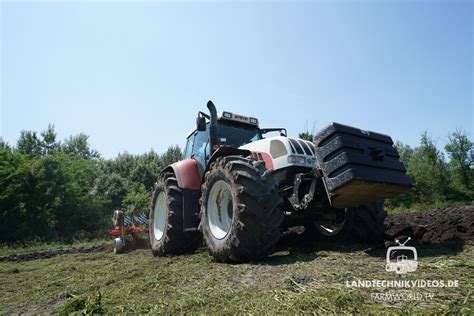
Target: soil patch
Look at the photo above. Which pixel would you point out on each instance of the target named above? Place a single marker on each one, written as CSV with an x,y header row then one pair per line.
x,y
432,226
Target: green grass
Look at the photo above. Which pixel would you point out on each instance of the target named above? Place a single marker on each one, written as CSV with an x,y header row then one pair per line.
x,y
424,206
301,281
35,246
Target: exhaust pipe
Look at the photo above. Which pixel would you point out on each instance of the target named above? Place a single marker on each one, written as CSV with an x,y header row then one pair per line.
x,y
213,139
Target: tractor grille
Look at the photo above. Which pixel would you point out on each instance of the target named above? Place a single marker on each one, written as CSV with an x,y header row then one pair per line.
x,y
301,147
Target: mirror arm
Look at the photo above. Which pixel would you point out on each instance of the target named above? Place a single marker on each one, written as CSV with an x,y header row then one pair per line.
x,y
204,114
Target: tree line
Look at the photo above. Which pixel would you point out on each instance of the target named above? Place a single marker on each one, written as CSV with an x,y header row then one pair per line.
x,y
65,190
437,181
53,190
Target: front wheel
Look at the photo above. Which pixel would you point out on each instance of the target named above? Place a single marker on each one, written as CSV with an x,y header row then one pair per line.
x,y
166,220
240,210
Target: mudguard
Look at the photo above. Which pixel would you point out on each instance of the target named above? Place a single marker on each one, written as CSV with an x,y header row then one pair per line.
x,y
227,151
187,174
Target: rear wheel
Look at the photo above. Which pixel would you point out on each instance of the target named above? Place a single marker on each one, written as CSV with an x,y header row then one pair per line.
x,y
335,227
363,223
369,223
240,213
166,220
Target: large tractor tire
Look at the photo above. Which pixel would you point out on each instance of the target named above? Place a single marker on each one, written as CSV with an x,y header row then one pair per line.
x,y
240,210
363,223
368,223
166,220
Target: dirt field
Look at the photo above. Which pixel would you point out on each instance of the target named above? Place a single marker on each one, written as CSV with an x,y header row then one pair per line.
x,y
300,276
432,226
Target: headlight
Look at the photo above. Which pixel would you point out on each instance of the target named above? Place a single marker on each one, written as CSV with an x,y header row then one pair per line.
x,y
297,160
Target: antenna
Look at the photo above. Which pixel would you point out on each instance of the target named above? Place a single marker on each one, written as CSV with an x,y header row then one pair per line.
x,y
400,244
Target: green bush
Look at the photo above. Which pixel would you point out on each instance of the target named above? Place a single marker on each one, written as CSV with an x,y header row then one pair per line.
x,y
63,191
437,183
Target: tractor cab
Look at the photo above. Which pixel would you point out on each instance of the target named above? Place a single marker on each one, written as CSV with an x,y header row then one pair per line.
x,y
233,130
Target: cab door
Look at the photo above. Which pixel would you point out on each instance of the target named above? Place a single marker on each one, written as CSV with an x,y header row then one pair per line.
x,y
198,148
201,148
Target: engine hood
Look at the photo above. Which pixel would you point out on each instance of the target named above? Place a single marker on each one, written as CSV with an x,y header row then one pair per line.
x,y
285,151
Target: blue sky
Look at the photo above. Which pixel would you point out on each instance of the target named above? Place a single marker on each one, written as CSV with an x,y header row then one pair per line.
x,y
133,75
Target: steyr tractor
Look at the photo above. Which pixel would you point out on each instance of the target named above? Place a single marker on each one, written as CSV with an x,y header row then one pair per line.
x,y
238,190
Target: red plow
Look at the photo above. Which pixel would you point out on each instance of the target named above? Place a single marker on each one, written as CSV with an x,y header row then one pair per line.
x,y
128,230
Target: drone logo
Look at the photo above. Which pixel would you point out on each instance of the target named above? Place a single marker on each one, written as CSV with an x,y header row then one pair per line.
x,y
402,264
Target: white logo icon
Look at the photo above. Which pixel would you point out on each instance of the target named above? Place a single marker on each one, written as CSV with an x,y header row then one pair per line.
x,y
402,264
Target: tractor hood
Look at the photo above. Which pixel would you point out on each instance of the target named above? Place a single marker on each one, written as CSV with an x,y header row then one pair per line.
x,y
285,151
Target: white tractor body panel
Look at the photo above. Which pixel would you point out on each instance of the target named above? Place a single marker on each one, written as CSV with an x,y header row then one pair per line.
x,y
285,151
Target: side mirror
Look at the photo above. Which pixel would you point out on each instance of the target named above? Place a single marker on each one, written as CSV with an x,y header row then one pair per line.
x,y
201,123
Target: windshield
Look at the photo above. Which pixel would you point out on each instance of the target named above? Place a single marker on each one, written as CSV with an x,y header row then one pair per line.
x,y
237,135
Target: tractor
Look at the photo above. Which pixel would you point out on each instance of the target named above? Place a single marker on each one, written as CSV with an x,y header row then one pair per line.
x,y
238,189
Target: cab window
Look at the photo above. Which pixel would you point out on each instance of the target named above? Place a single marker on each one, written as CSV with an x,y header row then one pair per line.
x,y
201,146
189,147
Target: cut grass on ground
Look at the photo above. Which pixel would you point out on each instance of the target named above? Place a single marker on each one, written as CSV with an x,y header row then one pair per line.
x,y
6,249
291,280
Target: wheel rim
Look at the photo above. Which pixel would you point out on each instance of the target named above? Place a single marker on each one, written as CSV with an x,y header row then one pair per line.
x,y
118,245
220,209
159,216
331,228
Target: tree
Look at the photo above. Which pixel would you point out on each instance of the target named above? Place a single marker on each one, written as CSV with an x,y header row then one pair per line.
x,y
146,169
51,191
306,136
49,142
44,196
78,146
461,153
429,172
405,152
138,198
112,187
82,213
172,154
4,144
29,144
13,178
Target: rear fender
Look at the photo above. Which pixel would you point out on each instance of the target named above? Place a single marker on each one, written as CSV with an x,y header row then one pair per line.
x,y
226,151
187,174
